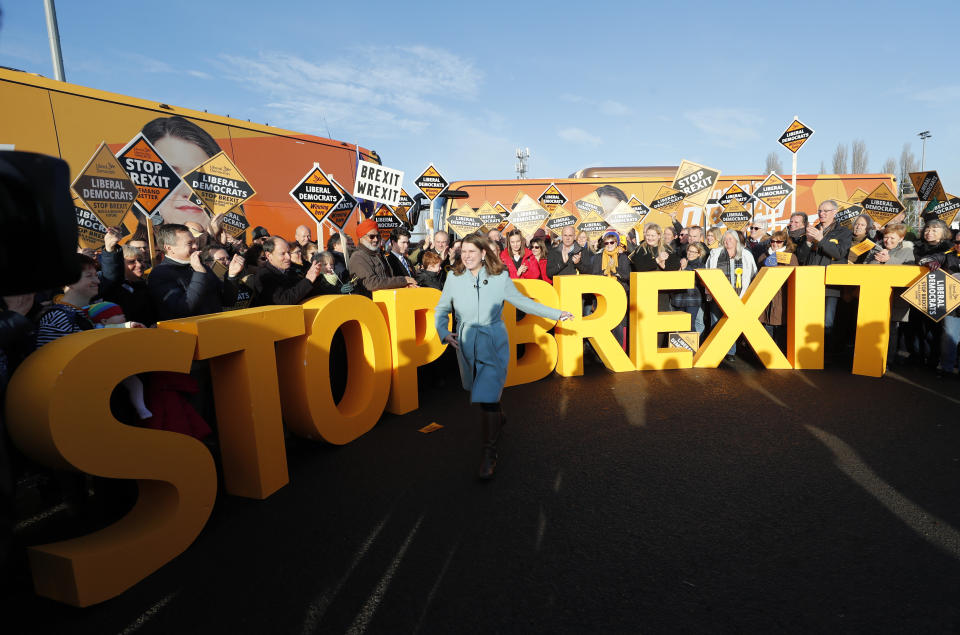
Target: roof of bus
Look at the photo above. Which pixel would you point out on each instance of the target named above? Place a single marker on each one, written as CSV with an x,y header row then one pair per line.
x,y
45,83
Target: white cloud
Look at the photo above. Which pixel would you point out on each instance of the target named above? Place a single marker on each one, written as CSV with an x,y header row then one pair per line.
x,y
579,136
199,74
374,93
727,126
614,108
939,94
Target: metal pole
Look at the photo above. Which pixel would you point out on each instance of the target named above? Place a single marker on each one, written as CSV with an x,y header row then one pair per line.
x,y
53,32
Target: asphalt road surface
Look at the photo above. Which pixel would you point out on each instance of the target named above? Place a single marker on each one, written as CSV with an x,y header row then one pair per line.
x,y
728,500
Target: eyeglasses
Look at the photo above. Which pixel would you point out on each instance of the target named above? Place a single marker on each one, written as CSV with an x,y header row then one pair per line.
x,y
534,246
776,242
372,236
610,242
754,229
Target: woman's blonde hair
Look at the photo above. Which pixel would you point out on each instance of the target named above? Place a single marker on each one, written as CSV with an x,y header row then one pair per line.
x,y
661,245
491,259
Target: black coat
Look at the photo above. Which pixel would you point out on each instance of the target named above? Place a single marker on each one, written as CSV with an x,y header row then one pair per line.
x,y
132,296
642,260
397,267
557,267
177,291
831,250
273,286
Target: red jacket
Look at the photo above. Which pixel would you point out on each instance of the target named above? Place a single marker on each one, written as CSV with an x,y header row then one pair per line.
x,y
543,271
533,267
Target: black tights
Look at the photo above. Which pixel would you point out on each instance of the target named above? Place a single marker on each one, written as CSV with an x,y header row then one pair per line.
x,y
490,407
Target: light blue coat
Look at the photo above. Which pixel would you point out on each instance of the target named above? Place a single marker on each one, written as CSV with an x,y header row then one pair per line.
x,y
477,302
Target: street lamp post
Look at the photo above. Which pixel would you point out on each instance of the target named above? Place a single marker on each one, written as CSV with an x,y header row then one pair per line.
x,y
923,151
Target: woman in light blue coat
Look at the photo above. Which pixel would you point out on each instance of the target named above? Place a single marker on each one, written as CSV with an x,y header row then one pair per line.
x,y
475,291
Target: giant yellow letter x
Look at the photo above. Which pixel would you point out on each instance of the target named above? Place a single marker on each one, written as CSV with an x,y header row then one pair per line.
x,y
742,317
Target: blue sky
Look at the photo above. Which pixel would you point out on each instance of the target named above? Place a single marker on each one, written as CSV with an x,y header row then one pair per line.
x,y
463,85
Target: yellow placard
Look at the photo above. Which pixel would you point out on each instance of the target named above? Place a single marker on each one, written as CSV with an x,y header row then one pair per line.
x,y
862,247
592,223
695,181
552,198
560,218
219,184
936,294
431,183
155,178
105,188
624,217
882,204
684,341
316,194
464,221
928,186
773,190
858,195
590,203
735,216
783,257
489,216
667,200
947,210
528,216
795,136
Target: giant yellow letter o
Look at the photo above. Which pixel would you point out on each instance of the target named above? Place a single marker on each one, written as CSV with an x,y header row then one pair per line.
x,y
304,370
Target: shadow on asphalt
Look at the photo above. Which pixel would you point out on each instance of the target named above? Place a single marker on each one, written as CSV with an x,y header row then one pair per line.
x,y
724,500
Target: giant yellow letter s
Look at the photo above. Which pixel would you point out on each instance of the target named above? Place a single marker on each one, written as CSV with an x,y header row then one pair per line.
x,y
58,413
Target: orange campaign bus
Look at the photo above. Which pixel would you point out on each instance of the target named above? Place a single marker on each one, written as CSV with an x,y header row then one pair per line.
x,y
69,121
645,182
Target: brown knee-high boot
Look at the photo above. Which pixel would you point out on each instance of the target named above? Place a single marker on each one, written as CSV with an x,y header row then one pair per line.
x,y
492,423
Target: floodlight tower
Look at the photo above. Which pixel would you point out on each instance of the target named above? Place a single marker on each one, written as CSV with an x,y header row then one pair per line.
x,y
522,155
923,152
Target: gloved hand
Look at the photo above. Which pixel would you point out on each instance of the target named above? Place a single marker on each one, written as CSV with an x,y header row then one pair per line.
x,y
347,288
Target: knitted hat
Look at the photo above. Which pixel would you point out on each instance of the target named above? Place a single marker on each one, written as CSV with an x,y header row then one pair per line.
x,y
365,228
614,233
103,311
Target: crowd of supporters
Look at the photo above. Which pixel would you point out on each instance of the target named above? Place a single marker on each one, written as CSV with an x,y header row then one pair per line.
x,y
198,270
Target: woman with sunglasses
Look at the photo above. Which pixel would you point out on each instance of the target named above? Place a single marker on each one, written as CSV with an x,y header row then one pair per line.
x,y
939,251
613,262
780,252
861,227
896,251
539,249
474,292
931,251
520,261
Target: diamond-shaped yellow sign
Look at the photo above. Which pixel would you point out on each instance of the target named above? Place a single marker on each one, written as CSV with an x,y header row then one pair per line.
x,y
219,184
592,223
464,221
528,216
773,190
105,187
795,136
936,294
552,198
695,181
882,204
667,200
